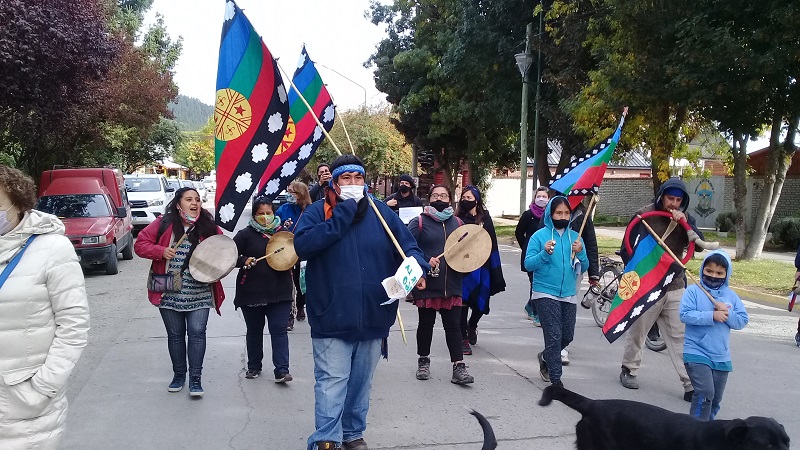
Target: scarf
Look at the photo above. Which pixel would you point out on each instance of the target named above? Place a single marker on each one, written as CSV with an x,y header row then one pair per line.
x,y
269,229
536,210
437,215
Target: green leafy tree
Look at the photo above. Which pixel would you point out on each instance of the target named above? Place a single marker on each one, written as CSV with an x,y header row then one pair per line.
x,y
197,149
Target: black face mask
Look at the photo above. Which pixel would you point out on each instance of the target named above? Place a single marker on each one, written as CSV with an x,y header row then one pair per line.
x,y
560,224
467,205
713,282
440,205
404,189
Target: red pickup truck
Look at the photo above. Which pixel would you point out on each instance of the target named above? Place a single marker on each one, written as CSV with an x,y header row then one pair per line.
x,y
94,207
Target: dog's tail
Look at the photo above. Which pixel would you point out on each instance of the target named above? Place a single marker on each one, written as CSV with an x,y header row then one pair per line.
x,y
489,441
567,397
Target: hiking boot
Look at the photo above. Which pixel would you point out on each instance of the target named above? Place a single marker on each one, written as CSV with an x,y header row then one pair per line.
x,y
797,339
178,380
284,377
628,380
358,444
251,374
687,396
301,314
564,357
328,445
423,368
460,375
543,372
536,321
195,388
290,325
472,335
465,348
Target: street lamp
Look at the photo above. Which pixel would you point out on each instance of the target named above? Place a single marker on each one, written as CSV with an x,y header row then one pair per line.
x,y
348,79
524,61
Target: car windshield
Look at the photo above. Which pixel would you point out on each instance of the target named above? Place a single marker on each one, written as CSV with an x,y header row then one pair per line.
x,y
80,205
143,184
187,183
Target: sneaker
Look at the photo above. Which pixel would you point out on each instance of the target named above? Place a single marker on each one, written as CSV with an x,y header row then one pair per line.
x,y
465,348
178,380
460,375
195,388
536,321
564,357
301,314
290,325
251,374
472,335
283,377
529,310
327,445
543,372
628,380
687,396
797,339
423,368
358,444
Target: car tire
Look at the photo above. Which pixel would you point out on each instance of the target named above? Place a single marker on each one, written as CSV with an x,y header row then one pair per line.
x,y
127,252
111,262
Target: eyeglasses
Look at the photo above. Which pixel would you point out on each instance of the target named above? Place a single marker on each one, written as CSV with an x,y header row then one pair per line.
x,y
440,196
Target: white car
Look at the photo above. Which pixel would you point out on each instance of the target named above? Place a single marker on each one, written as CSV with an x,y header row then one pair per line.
x,y
201,189
210,183
148,195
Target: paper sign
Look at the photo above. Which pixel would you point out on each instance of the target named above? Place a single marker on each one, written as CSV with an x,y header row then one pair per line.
x,y
404,280
408,213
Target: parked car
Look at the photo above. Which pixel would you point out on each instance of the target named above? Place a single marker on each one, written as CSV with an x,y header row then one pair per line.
x,y
174,183
201,189
148,195
210,183
93,204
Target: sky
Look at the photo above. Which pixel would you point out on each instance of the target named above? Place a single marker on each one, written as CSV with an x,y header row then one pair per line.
x,y
336,34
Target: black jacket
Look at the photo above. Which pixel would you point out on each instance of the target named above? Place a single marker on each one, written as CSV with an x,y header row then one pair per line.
x,y
316,191
527,225
430,239
261,284
589,240
404,202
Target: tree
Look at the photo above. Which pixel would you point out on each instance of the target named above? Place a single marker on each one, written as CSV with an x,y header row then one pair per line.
x,y
197,149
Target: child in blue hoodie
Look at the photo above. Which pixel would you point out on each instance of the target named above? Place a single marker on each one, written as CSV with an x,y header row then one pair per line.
x,y
556,256
706,349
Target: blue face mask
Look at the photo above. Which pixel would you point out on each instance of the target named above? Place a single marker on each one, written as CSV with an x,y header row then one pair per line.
x,y
291,199
713,282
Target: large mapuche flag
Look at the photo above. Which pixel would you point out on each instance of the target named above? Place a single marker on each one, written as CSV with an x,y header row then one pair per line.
x,y
585,174
303,135
250,114
643,283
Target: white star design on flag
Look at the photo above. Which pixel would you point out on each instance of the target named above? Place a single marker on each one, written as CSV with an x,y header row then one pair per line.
x,y
227,212
317,133
668,278
305,151
244,182
272,186
282,93
636,311
302,60
328,114
288,168
260,152
275,122
621,327
654,296
230,11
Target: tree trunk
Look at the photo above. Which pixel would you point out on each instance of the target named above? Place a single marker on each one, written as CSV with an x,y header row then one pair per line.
x,y
739,150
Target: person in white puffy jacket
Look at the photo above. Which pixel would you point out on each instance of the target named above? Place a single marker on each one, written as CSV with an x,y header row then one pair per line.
x,y
44,318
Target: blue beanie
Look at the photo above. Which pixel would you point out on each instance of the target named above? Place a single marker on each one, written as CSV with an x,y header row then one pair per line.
x,y
675,192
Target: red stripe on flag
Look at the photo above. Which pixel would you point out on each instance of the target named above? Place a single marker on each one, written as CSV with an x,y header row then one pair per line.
x,y
648,283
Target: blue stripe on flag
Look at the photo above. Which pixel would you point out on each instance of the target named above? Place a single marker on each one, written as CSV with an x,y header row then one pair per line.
x,y
302,79
643,250
232,48
570,178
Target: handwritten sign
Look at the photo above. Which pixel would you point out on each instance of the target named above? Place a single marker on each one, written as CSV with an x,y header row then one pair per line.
x,y
408,213
400,285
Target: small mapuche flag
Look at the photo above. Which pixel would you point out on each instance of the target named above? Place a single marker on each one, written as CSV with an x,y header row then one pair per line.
x,y
643,283
250,114
584,174
303,135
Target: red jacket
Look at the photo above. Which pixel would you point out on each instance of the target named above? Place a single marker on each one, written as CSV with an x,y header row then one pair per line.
x,y
147,247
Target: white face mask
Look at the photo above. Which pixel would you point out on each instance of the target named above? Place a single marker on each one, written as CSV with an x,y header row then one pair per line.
x,y
5,224
541,202
353,191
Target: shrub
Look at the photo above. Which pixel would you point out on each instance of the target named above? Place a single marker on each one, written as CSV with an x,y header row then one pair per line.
x,y
787,232
726,221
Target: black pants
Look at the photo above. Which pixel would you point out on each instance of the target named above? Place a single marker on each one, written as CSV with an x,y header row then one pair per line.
x,y
451,319
530,289
300,298
276,315
473,319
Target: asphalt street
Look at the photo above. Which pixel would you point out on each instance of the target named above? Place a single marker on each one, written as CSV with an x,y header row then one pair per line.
x,y
119,397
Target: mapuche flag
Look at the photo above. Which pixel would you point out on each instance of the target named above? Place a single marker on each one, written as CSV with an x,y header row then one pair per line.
x,y
584,175
250,114
303,135
643,283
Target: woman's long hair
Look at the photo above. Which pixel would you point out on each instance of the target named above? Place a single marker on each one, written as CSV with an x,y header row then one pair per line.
x,y
203,227
304,198
480,210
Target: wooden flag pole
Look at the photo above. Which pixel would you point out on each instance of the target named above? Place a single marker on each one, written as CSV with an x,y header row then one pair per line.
x,y
592,204
369,199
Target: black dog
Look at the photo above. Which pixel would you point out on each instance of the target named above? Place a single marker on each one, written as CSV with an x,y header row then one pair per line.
x,y
489,441
625,424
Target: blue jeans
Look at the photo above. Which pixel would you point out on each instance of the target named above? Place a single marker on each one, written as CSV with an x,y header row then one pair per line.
x,y
709,384
558,327
178,323
277,316
343,373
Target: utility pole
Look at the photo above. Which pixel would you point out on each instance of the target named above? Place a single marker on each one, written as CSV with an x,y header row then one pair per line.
x,y
538,100
524,62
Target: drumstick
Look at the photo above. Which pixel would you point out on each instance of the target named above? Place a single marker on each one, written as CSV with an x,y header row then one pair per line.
x,y
454,244
268,255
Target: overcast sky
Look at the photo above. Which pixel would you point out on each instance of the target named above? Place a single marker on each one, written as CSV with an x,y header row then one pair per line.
x,y
336,34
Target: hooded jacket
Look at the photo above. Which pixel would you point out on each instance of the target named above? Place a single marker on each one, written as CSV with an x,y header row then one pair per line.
x,y
704,337
431,236
44,326
677,241
553,274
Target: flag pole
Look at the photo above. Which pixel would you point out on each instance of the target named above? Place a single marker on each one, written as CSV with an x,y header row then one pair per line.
x,y
592,204
369,199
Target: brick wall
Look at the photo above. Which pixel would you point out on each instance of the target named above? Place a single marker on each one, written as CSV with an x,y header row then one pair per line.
x,y
624,196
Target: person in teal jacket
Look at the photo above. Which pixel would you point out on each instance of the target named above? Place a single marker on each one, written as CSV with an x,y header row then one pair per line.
x,y
706,347
556,256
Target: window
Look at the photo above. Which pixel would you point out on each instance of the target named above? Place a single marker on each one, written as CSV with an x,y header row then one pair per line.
x,y
80,205
144,185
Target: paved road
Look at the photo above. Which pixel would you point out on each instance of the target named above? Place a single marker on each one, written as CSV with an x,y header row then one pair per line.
x,y
119,398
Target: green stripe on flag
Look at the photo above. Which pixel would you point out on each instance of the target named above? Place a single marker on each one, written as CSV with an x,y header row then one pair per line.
x,y
244,80
310,93
219,146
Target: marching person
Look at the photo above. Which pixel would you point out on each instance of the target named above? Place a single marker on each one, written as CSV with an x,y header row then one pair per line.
x,y
485,281
348,254
184,312
290,212
672,197
404,197
263,292
44,317
549,257
529,222
317,190
443,288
